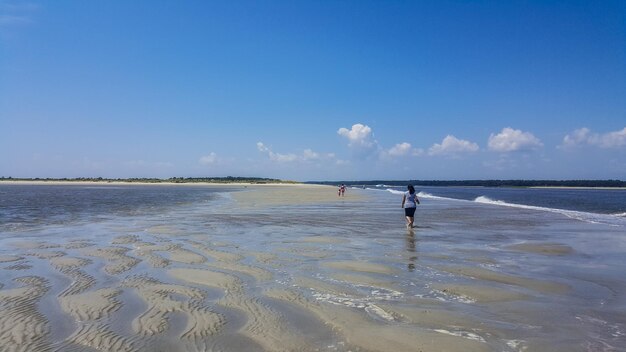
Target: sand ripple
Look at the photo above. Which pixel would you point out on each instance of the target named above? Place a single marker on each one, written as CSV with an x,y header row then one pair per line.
x,y
265,326
47,255
215,254
22,326
125,239
9,258
100,338
18,266
259,274
34,245
78,244
92,305
182,255
116,258
147,252
91,312
70,266
161,301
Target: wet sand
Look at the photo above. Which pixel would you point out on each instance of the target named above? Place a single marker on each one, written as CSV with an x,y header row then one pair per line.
x,y
153,284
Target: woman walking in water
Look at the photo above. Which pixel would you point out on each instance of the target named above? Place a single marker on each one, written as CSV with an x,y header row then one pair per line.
x,y
409,203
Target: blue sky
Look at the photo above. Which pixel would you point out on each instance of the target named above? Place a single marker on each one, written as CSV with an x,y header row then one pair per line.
x,y
313,90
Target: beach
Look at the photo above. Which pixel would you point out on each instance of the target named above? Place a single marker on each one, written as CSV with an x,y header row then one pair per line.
x,y
245,267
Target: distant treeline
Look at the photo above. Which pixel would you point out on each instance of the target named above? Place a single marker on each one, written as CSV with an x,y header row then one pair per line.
x,y
487,183
228,179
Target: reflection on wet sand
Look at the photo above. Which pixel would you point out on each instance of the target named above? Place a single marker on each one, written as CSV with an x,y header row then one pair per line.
x,y
411,249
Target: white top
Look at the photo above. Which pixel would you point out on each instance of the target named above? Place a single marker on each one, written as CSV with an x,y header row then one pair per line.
x,y
410,200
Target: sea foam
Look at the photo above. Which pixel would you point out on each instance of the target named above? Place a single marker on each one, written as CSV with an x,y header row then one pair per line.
x,y
577,215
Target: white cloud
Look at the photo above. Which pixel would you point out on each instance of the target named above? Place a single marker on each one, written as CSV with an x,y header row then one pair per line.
x,y
583,136
359,136
579,136
452,146
400,149
510,140
307,155
208,159
283,158
612,139
12,15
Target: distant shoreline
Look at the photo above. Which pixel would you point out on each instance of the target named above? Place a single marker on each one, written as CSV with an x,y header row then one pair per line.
x,y
570,184
151,181
183,184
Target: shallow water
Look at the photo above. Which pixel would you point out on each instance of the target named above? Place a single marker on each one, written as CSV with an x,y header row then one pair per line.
x,y
217,268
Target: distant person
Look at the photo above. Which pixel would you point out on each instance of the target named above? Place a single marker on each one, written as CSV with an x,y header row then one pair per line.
x,y
409,203
342,189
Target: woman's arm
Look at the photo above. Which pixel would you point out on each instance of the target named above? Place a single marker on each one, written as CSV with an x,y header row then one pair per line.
x,y
403,199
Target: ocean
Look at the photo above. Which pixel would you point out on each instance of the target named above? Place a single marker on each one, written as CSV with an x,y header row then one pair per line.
x,y
284,268
593,205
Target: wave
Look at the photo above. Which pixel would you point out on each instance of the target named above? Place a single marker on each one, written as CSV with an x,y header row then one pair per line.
x,y
430,196
382,185
394,191
593,218
421,194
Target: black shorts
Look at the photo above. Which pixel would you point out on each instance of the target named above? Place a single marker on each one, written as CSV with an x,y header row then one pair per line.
x,y
409,212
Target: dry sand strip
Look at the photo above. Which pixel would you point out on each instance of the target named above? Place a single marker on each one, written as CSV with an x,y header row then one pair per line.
x,y
22,326
278,195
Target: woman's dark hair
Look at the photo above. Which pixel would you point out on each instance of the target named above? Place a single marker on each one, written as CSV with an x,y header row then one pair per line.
x,y
411,189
